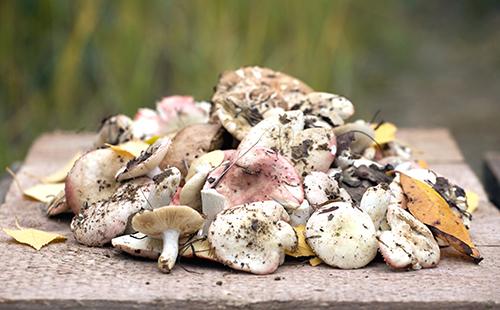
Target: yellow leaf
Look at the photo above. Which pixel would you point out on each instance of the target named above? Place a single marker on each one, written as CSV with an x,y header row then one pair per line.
x,y
385,133
44,192
472,201
425,204
33,237
303,248
130,148
152,140
315,261
60,175
197,248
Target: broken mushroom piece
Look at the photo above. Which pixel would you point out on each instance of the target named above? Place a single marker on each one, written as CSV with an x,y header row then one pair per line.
x,y
409,243
342,236
252,237
168,223
138,244
92,178
374,202
114,130
58,205
363,135
257,175
147,163
190,143
243,97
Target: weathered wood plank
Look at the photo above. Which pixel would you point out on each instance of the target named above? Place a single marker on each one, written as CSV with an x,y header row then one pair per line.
x,y
67,275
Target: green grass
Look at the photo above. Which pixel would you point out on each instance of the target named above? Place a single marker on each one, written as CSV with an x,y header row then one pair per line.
x,y
67,64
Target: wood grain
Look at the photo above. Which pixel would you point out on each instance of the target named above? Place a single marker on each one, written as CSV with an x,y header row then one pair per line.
x,y
68,275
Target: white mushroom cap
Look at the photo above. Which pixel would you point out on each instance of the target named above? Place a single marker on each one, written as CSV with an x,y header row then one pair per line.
x,y
252,237
148,161
375,201
342,236
138,244
168,223
212,159
320,188
300,215
409,243
328,106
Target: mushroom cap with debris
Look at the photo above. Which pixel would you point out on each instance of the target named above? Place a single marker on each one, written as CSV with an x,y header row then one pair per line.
x,y
252,237
243,97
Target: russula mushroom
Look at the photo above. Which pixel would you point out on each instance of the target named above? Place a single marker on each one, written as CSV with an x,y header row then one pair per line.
x,y
190,143
375,201
92,178
258,174
300,215
114,130
99,222
342,236
191,191
309,150
321,188
58,205
168,223
212,203
147,163
409,243
177,112
243,97
331,108
363,135
213,159
138,244
252,237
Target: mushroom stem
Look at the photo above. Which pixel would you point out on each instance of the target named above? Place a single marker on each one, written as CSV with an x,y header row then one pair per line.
x,y
168,256
154,172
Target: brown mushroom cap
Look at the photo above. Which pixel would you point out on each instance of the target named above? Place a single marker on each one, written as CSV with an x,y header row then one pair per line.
x,y
181,218
190,143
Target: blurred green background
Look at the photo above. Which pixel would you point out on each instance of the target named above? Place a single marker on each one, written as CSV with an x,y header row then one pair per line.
x,y
67,64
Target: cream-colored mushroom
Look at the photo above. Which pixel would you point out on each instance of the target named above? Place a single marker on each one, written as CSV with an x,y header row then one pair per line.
x,y
342,236
409,243
252,237
374,202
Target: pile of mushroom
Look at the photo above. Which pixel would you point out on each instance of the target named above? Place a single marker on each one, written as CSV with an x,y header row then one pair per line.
x,y
231,180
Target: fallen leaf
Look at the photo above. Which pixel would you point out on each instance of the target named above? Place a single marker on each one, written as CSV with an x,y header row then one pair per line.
x,y
152,140
44,192
198,248
130,148
303,249
430,208
385,133
33,237
472,201
60,175
315,261
423,164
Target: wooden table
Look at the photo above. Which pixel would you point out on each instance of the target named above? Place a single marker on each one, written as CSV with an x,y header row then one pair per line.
x,y
68,275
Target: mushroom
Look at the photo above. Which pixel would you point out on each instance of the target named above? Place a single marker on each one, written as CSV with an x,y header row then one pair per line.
x,y
147,163
212,203
300,215
256,175
252,237
114,130
342,236
212,159
100,221
190,143
332,109
374,202
177,112
363,133
168,223
138,244
191,191
309,150
92,178
58,205
321,188
409,243
243,97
